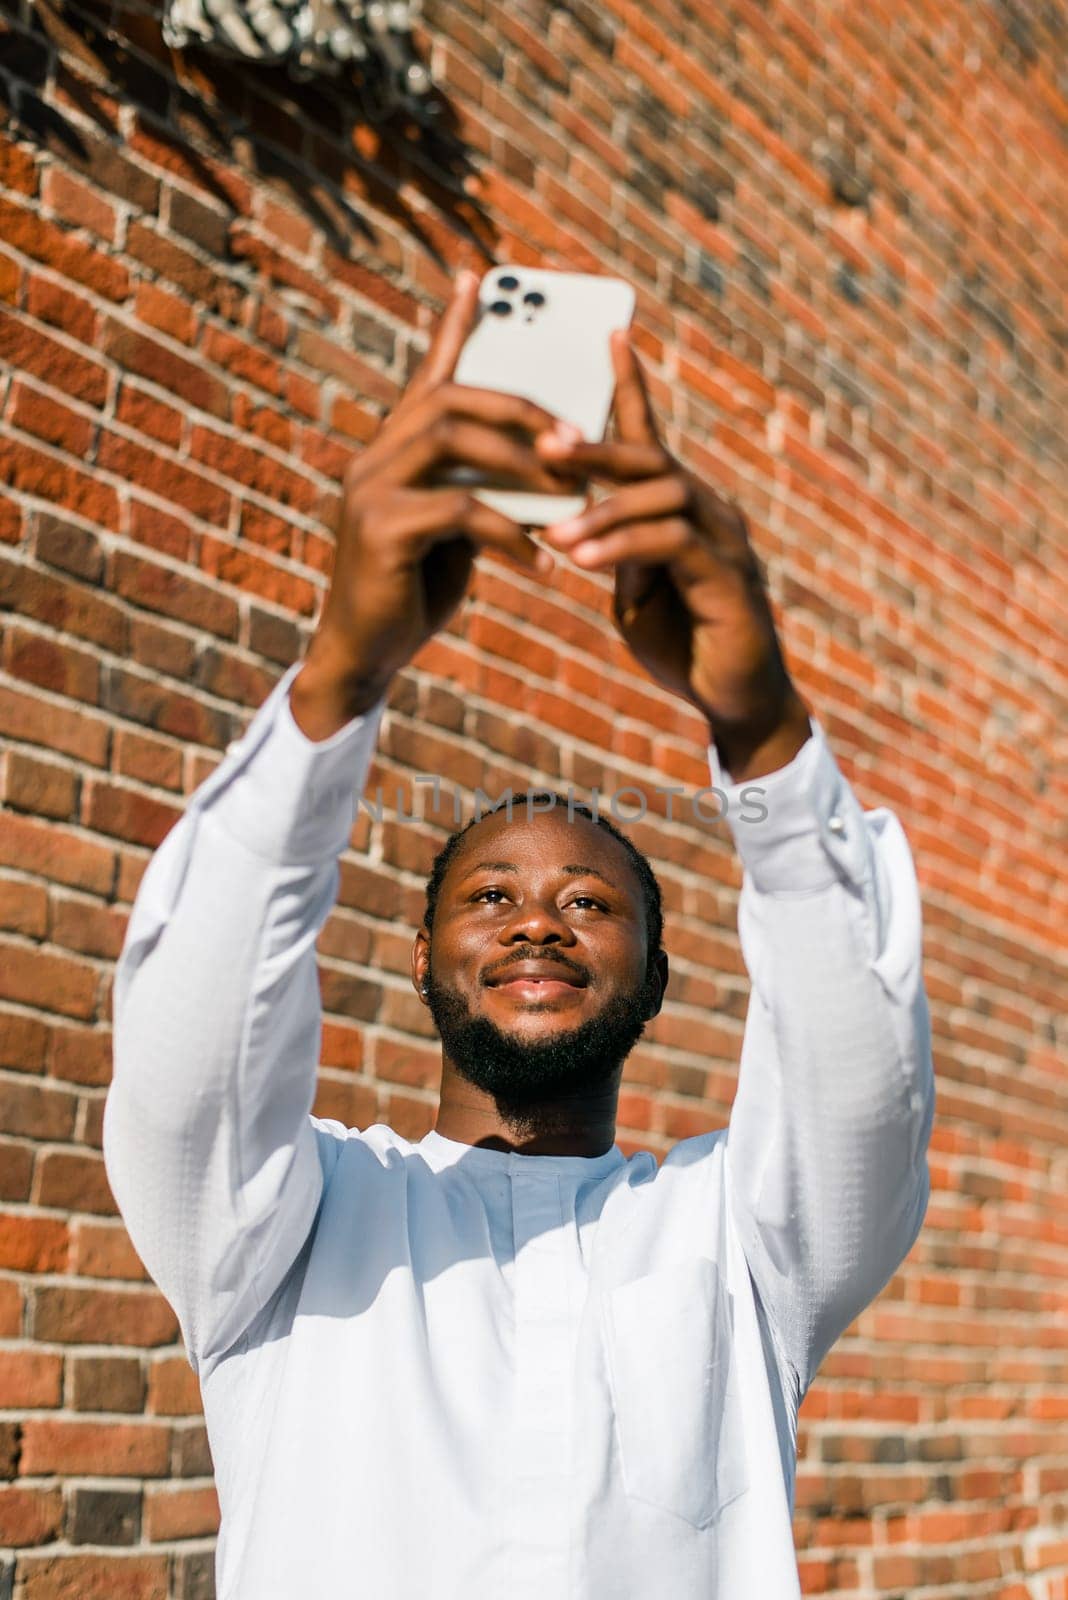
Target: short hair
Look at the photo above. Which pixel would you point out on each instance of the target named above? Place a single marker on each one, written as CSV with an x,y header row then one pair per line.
x,y
651,900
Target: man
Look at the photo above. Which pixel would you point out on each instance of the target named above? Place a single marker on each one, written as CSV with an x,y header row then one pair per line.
x,y
506,1361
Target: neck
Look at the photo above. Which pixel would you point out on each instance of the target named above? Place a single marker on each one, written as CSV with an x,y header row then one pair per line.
x,y
578,1127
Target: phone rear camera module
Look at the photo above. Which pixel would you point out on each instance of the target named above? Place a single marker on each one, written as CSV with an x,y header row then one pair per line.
x,y
500,308
534,298
508,282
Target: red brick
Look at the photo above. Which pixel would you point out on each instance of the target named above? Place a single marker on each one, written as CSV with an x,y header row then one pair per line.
x,y
75,202
180,1513
93,1577
157,362
62,670
159,308
11,1302
104,1316
153,472
87,928
103,1250
105,1383
18,167
72,1181
105,1449
277,268
42,788
230,458
23,906
30,471
330,360
217,180
244,360
50,982
173,1390
39,414
245,570
144,413
59,305
16,1170
23,230
29,1516
80,1055
37,1111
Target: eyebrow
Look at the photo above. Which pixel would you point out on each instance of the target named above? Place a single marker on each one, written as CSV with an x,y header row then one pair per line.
x,y
573,869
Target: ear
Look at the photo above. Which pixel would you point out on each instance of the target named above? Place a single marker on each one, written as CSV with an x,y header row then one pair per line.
x,y
420,963
662,973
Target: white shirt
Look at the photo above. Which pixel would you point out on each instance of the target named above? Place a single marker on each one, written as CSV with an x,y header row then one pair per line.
x,y
432,1371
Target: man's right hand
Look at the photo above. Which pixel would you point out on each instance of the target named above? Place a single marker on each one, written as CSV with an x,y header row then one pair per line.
x,y
405,551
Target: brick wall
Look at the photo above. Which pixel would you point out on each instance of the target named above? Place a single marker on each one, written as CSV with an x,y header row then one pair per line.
x,y
845,225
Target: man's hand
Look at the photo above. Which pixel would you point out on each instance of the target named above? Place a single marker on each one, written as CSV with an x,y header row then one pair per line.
x,y
405,549
689,596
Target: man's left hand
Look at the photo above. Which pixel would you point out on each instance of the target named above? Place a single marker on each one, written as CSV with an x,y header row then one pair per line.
x,y
689,594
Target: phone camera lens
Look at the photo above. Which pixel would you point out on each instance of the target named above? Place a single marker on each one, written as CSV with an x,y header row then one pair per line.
x,y
534,298
500,308
508,282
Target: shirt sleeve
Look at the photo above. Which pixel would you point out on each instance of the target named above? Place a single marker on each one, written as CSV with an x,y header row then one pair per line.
x,y
208,1144
826,1148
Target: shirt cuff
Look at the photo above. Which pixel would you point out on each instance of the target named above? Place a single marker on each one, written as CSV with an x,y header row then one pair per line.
x,y
798,829
287,797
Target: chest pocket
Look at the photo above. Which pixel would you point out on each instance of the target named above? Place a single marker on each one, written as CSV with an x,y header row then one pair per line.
x,y
668,1340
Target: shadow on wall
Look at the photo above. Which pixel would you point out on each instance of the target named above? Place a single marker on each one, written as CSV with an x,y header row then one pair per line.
x,y
205,118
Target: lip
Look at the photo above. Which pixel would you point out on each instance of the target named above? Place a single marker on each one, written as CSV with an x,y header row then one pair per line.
x,y
538,988
550,973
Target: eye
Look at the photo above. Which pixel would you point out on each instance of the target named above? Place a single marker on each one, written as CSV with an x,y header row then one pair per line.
x,y
586,897
482,892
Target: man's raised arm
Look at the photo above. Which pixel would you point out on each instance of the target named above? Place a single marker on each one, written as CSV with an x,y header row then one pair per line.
x,y
826,1151
216,1166
208,1143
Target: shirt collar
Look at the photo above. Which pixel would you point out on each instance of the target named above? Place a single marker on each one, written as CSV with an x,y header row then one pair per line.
x,y
439,1152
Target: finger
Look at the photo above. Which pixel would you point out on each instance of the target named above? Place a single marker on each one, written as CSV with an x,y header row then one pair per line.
x,y
641,542
633,409
608,458
506,411
455,324
502,410
432,515
655,497
460,442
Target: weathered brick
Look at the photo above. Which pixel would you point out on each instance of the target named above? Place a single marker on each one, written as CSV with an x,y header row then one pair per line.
x,y
104,1516
37,1111
72,1181
92,1577
105,1383
29,1516
103,1316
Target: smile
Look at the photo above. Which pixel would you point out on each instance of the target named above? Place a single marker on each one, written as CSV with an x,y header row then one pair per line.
x,y
537,988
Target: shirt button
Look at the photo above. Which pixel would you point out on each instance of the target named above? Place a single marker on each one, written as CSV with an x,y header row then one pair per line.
x,y
835,824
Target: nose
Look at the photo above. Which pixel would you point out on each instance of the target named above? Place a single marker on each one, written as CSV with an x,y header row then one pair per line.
x,y
536,922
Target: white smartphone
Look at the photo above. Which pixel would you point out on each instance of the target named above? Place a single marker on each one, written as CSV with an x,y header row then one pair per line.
x,y
544,334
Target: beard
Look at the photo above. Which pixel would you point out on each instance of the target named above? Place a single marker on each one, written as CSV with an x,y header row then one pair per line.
x,y
529,1079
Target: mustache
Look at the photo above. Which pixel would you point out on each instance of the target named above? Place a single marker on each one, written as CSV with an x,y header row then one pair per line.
x,y
577,974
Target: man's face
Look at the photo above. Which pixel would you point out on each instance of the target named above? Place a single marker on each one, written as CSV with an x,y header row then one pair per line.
x,y
537,972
